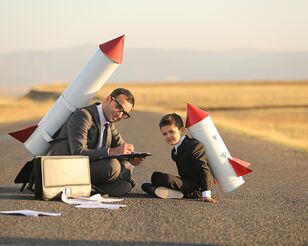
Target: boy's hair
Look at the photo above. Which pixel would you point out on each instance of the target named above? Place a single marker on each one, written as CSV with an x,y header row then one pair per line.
x,y
122,91
170,119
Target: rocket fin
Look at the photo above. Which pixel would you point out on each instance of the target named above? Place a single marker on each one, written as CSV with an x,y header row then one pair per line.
x,y
24,134
240,167
114,49
244,163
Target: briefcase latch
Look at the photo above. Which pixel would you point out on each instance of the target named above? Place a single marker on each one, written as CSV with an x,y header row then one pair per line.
x,y
68,191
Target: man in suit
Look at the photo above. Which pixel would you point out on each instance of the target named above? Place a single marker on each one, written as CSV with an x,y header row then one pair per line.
x,y
90,131
195,178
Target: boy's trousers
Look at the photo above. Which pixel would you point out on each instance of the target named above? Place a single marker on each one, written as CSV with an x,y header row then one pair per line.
x,y
188,187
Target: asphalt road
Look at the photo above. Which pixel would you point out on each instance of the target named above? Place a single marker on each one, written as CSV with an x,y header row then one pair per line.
x,y
270,209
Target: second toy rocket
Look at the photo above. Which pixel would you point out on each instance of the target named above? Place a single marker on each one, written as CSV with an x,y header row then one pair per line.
x,y
227,170
78,94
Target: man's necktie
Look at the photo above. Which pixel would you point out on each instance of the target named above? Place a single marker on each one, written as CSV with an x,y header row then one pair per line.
x,y
105,135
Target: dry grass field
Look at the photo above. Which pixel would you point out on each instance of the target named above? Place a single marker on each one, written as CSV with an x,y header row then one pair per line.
x,y
274,111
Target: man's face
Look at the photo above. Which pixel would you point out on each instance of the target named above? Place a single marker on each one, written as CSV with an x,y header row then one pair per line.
x,y
172,134
115,108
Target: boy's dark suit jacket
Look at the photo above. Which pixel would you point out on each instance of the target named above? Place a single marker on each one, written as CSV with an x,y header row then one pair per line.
x,y
192,163
80,135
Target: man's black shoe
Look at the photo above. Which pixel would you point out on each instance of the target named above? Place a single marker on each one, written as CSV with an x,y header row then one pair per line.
x,y
133,182
116,188
148,188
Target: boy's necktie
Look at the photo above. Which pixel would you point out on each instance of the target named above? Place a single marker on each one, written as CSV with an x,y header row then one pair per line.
x,y
105,135
174,151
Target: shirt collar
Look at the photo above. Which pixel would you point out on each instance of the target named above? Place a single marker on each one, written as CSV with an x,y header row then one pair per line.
x,y
179,143
101,115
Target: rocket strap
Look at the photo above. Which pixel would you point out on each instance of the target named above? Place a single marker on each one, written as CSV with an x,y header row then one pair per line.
x,y
69,106
45,135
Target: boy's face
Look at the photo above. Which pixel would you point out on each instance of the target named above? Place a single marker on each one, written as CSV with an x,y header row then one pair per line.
x,y
172,134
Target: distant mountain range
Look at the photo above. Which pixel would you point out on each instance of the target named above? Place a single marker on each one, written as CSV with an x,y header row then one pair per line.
x,y
26,69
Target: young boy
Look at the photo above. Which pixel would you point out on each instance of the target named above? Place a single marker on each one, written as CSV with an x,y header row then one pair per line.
x,y
195,178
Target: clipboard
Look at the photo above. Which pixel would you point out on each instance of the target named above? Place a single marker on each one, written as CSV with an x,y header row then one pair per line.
x,y
127,156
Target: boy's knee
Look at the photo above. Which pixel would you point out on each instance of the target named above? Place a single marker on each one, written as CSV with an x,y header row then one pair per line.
x,y
156,177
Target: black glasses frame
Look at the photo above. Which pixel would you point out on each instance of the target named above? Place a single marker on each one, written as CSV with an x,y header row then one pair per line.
x,y
119,108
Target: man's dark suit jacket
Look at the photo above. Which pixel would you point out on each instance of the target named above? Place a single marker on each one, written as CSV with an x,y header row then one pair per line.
x,y
80,135
192,163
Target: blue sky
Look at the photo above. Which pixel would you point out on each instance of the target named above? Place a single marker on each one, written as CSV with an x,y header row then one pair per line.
x,y
277,25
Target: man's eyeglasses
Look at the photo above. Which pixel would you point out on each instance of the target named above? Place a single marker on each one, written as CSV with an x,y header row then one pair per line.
x,y
119,108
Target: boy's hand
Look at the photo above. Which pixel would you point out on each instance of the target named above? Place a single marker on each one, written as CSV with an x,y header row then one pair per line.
x,y
208,199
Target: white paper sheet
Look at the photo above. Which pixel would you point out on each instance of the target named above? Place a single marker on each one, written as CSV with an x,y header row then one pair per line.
x,y
97,198
100,205
31,213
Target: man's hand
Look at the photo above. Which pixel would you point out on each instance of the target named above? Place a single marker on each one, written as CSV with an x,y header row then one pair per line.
x,y
136,161
208,199
122,149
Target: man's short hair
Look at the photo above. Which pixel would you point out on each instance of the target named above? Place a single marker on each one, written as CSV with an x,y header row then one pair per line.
x,y
122,91
170,119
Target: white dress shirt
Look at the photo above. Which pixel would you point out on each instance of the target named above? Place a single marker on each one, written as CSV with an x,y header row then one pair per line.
x,y
103,121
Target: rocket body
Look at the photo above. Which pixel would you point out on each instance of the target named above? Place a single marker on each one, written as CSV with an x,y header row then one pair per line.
x,y
78,94
203,129
217,154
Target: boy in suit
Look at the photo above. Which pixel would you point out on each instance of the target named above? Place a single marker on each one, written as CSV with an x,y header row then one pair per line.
x,y
195,178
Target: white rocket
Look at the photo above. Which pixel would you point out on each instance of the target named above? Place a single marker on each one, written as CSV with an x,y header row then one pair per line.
x,y
78,94
227,170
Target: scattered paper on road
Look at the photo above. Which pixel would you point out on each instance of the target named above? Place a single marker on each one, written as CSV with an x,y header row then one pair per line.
x,y
95,201
84,200
100,205
31,213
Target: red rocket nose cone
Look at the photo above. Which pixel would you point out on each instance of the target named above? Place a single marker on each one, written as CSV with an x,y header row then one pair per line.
x,y
194,115
114,49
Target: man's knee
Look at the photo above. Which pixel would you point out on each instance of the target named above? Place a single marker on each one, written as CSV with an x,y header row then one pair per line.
x,y
114,170
105,171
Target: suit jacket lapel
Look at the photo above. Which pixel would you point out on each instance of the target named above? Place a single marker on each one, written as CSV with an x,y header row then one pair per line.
x,y
182,146
173,155
179,151
96,122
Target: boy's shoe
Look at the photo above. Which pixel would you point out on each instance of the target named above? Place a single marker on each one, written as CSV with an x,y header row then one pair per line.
x,y
148,188
164,192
